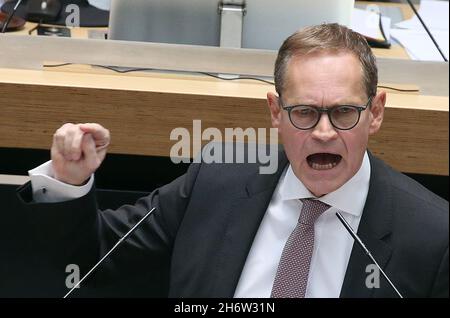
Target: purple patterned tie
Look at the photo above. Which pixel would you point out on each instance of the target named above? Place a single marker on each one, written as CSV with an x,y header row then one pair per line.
x,y
293,270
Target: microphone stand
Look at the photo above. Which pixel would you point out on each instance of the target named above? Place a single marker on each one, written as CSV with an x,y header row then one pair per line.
x,y
360,243
8,20
426,29
122,239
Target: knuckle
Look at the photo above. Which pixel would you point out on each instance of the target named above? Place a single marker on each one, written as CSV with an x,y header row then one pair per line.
x,y
58,136
66,126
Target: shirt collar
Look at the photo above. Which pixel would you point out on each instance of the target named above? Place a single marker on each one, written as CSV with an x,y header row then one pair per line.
x,y
349,198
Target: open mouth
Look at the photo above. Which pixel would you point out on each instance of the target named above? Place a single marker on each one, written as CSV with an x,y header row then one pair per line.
x,y
323,161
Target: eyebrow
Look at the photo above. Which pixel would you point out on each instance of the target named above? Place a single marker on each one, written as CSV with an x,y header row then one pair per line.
x,y
327,105
283,101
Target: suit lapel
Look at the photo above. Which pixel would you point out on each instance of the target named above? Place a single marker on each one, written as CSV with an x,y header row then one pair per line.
x,y
374,229
242,226
248,212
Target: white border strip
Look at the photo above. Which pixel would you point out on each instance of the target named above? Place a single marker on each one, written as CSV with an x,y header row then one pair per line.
x,y
13,180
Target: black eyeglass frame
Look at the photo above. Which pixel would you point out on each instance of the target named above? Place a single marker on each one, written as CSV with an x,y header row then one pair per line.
x,y
322,110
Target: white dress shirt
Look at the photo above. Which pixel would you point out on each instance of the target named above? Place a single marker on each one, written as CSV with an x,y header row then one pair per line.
x,y
47,189
332,242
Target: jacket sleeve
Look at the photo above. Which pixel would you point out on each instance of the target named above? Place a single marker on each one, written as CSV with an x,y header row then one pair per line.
x,y
75,232
440,285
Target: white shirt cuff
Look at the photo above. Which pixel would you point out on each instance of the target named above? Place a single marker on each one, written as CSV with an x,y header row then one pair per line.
x,y
46,189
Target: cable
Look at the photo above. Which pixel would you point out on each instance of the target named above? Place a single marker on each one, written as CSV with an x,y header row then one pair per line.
x,y
57,65
238,78
10,16
35,28
380,25
375,43
112,68
398,89
426,29
115,69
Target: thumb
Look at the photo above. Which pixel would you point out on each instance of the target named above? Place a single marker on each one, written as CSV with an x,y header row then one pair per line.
x,y
91,159
100,134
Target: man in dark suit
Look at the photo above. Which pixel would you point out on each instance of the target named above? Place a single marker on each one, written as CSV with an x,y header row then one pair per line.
x,y
226,230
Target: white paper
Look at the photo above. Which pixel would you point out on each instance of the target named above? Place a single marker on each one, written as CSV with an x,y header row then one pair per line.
x,y
101,4
419,45
367,23
434,14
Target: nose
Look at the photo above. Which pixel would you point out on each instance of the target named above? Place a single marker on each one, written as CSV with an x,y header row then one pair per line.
x,y
324,130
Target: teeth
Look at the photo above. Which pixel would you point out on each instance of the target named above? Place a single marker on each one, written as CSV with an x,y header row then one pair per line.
x,y
317,166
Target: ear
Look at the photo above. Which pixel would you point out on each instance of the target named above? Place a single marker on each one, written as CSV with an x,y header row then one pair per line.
x,y
275,109
377,112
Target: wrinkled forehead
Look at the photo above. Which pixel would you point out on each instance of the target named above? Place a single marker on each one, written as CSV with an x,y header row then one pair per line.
x,y
326,74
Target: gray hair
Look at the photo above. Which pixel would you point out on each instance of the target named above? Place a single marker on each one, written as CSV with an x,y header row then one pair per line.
x,y
327,38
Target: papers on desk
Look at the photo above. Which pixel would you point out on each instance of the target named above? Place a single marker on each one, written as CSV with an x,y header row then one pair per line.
x,y
414,38
433,13
367,23
419,45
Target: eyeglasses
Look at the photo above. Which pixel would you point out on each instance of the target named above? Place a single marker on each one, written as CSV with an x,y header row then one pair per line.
x,y
343,117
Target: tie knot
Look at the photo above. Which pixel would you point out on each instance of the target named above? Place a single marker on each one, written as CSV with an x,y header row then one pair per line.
x,y
311,210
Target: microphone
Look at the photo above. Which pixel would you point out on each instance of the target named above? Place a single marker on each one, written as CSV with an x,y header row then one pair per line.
x,y
360,243
426,29
122,239
10,16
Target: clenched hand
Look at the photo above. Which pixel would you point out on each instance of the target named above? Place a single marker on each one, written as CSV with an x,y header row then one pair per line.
x,y
77,151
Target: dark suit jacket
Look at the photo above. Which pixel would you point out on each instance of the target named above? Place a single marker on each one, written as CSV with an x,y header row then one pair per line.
x,y
196,242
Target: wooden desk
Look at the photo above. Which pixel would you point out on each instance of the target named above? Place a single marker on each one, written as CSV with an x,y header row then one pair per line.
x,y
142,109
